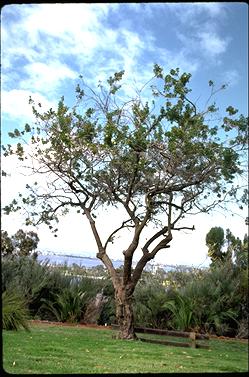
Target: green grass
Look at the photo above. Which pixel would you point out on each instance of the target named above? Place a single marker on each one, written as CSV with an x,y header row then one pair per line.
x,y
68,350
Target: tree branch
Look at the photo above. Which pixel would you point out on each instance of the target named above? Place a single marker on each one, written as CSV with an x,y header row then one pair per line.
x,y
101,250
184,227
109,239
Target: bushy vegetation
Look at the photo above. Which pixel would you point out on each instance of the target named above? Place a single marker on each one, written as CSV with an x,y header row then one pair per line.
x,y
50,292
21,243
213,300
15,314
150,296
210,300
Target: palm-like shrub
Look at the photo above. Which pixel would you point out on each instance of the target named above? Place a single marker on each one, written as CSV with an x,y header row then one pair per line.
x,y
39,284
15,314
108,313
149,298
182,313
67,306
33,279
214,299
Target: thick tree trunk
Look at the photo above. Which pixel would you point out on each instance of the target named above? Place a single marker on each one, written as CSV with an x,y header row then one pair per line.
x,y
124,313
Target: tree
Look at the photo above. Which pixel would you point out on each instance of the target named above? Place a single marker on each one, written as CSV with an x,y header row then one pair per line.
x,y
223,248
215,241
158,160
21,243
238,249
7,247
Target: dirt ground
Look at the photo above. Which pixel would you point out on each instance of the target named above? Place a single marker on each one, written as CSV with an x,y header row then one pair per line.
x,y
82,325
36,321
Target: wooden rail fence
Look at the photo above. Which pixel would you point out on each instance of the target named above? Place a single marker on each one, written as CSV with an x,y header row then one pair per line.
x,y
180,334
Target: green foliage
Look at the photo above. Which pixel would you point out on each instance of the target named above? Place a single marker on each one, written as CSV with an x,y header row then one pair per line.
x,y
215,240
182,313
69,304
15,314
182,276
108,313
215,299
148,304
243,329
238,248
106,148
32,279
21,243
66,305
211,300
7,247
227,247
52,295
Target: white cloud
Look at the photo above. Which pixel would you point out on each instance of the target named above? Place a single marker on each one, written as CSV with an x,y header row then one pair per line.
x,y
214,9
200,32
79,34
15,104
170,60
190,13
211,44
45,78
231,77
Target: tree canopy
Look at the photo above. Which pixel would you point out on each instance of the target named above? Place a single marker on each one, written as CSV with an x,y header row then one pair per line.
x,y
215,241
21,243
156,155
224,247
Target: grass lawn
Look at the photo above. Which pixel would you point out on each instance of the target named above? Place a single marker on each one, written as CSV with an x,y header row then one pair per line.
x,y
50,349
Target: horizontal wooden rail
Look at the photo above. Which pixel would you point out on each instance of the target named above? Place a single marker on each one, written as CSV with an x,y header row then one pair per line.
x,y
181,334
175,344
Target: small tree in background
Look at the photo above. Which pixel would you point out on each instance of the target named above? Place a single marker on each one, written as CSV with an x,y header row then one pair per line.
x,y
227,247
7,247
215,241
21,243
238,249
158,159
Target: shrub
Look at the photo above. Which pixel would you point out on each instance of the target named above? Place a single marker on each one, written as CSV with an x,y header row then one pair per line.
x,y
108,313
214,299
33,279
148,304
14,311
66,305
182,311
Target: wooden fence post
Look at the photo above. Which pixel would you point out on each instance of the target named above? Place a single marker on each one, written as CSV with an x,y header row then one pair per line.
x,y
192,336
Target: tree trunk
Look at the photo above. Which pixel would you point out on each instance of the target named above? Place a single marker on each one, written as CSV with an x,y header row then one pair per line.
x,y
124,313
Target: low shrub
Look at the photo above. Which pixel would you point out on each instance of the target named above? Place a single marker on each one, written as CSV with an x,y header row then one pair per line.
x,y
182,313
149,298
66,306
108,313
15,314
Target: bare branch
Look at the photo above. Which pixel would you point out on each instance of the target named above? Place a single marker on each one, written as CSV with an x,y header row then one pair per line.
x,y
109,239
184,227
153,238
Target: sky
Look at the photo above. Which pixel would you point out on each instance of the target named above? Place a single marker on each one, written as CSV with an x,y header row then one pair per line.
x,y
44,49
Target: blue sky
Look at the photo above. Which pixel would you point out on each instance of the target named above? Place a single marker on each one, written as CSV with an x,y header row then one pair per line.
x,y
45,47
